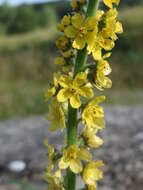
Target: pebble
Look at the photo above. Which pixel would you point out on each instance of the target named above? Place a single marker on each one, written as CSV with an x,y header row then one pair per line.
x,y
17,166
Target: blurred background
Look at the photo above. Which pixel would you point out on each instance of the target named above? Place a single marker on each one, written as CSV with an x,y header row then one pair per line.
x,y
27,49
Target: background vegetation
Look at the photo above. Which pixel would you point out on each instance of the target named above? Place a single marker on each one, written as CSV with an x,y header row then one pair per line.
x,y
27,49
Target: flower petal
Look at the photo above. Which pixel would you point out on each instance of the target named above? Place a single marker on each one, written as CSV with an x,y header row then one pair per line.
x,y
75,101
63,95
80,79
62,164
60,61
97,54
84,154
97,100
70,32
77,20
50,92
86,92
119,28
75,166
79,43
65,81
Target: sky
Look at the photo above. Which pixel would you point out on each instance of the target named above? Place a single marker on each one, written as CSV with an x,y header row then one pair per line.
x,y
17,2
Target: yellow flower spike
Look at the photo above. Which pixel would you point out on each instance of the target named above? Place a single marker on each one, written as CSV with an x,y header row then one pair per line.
x,y
93,114
56,116
74,88
60,61
92,174
91,139
72,157
109,3
72,96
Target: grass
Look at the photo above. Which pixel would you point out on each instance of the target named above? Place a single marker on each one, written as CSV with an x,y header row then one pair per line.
x,y
26,63
22,184
21,98
28,40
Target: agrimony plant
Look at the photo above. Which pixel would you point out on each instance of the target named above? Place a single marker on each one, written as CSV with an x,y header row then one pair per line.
x,y
87,37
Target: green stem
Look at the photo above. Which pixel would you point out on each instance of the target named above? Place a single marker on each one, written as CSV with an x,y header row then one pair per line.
x,y
80,60
72,126
92,7
72,122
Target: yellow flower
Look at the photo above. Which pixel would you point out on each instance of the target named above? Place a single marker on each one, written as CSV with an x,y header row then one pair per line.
x,y
93,114
74,88
109,3
97,43
95,46
101,80
52,91
66,20
56,116
53,180
72,157
62,43
80,30
60,61
92,174
112,26
91,139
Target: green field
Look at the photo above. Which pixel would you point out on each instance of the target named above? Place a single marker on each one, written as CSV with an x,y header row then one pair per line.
x,y
26,63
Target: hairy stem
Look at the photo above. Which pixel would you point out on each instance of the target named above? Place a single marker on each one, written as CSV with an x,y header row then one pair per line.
x,y
72,122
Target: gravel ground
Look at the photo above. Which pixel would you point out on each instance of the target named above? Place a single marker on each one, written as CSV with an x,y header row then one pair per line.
x,y
22,139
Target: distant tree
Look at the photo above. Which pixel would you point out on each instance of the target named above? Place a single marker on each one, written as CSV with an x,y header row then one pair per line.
x,y
47,16
7,17
131,2
25,20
